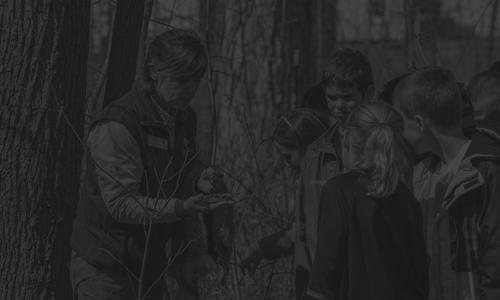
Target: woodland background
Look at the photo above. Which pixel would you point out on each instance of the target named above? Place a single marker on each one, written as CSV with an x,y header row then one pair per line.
x,y
61,61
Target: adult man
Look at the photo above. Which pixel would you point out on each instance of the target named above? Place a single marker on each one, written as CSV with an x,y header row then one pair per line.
x,y
140,167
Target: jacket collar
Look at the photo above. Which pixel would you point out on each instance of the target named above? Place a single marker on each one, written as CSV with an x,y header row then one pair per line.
x,y
484,142
326,138
467,178
484,147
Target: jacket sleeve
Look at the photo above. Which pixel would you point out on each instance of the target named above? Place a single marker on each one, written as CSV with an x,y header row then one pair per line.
x,y
489,237
119,172
280,243
331,254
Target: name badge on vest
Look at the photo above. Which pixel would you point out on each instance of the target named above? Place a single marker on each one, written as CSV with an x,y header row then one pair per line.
x,y
157,142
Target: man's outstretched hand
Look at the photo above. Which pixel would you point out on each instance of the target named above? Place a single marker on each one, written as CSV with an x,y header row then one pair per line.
x,y
206,203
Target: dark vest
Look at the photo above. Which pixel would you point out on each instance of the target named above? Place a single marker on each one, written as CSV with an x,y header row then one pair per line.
x,y
97,237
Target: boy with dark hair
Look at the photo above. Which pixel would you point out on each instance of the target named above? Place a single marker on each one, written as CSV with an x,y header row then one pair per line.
x,y
348,82
457,187
484,88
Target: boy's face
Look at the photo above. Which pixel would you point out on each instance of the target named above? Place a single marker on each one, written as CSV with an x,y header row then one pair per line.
x,y
341,101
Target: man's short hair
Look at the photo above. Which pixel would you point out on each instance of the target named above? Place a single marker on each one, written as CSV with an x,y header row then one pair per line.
x,y
348,68
431,92
179,53
484,88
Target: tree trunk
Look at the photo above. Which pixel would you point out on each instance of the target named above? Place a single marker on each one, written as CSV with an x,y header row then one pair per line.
x,y
143,44
491,42
124,49
44,54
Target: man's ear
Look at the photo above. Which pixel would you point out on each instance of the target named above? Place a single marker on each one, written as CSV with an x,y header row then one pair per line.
x,y
422,125
370,93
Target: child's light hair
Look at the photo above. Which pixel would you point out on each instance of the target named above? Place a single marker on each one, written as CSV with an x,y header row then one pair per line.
x,y
374,137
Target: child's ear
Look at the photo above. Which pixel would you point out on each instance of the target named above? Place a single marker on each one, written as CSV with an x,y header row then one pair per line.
x,y
370,93
422,125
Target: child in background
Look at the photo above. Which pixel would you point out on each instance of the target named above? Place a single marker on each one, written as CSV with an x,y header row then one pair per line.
x,y
291,138
347,82
384,93
457,187
484,88
370,241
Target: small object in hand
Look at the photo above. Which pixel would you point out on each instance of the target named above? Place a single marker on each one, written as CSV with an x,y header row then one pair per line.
x,y
216,198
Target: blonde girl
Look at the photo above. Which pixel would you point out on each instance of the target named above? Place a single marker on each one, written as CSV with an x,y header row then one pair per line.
x,y
370,238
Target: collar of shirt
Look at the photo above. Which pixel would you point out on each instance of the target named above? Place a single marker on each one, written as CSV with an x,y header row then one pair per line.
x,y
168,119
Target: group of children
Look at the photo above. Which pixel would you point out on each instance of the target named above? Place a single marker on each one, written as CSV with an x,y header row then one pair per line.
x,y
398,190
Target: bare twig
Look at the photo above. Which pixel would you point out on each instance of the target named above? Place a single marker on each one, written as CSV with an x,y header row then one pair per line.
x,y
246,167
162,23
172,12
211,87
270,280
471,35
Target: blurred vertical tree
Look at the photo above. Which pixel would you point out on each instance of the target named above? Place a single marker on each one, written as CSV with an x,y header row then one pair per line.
x,y
43,67
124,49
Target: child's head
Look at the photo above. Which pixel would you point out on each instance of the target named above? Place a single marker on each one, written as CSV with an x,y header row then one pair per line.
x,y
296,132
484,88
387,90
428,99
374,144
314,98
348,82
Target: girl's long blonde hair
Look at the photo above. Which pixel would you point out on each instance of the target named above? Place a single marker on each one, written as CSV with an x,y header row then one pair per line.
x,y
374,136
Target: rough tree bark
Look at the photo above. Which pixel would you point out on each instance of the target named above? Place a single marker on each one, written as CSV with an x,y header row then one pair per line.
x,y
124,49
42,73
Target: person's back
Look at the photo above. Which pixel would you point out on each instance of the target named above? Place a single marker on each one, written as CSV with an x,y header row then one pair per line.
x,y
457,187
370,243
385,245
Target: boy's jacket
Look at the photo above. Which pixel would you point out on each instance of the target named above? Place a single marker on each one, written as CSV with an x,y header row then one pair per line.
x,y
465,250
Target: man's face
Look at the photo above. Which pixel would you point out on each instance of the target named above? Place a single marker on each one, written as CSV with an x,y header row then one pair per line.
x,y
177,92
341,101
